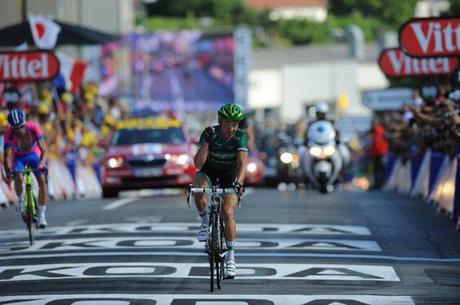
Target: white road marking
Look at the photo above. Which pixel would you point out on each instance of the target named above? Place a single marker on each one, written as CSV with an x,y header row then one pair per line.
x,y
268,271
179,242
385,258
152,193
78,222
208,299
118,203
192,227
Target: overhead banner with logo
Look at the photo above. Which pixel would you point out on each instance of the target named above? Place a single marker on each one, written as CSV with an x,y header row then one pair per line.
x,y
28,66
430,37
388,99
394,63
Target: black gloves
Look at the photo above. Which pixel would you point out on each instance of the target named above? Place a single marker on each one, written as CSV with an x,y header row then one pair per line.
x,y
209,132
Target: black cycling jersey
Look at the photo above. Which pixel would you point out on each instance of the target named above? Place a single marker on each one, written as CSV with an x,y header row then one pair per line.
x,y
221,162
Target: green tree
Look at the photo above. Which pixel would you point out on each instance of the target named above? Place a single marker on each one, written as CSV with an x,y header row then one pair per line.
x,y
219,9
301,31
391,12
454,8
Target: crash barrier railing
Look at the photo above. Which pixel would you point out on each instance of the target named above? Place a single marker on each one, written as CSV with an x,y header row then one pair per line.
x,y
61,184
436,178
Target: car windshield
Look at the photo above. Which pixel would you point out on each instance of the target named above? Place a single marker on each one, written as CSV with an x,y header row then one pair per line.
x,y
172,135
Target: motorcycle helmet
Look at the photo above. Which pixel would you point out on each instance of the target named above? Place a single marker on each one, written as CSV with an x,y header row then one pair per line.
x,y
321,107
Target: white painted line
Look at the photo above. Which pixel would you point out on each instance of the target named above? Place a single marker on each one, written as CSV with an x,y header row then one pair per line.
x,y
268,271
192,227
76,222
386,258
184,242
207,299
118,203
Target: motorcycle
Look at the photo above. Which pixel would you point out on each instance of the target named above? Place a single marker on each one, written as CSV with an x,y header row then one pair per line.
x,y
289,170
322,159
282,163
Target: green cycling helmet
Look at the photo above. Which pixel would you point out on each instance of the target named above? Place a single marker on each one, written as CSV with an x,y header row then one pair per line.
x,y
232,112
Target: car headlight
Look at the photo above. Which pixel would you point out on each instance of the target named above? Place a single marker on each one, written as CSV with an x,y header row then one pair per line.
x,y
182,159
252,167
286,157
115,162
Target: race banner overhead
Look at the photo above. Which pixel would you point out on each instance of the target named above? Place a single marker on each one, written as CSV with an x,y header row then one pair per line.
x,y
431,37
394,63
28,66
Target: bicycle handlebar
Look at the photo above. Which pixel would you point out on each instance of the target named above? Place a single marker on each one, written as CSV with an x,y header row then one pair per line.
x,y
208,190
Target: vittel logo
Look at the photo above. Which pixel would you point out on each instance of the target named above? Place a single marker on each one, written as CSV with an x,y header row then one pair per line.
x,y
431,37
394,63
28,66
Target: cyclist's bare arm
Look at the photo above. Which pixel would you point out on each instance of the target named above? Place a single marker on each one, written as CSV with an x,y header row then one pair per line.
x,y
201,155
7,155
44,151
241,164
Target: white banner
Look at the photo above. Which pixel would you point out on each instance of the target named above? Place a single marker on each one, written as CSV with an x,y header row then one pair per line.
x,y
242,64
388,99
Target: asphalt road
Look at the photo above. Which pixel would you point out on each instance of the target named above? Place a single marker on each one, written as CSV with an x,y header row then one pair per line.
x,y
293,248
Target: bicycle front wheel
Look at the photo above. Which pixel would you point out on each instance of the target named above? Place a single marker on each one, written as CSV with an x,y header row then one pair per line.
x,y
211,252
29,219
30,212
220,257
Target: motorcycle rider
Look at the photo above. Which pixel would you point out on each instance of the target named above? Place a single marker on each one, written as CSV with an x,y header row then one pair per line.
x,y
321,110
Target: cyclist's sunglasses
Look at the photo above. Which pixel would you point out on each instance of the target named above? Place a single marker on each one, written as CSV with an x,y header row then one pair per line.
x,y
18,127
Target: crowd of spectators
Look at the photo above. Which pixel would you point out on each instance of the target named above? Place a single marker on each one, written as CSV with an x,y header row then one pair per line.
x,y
429,122
76,127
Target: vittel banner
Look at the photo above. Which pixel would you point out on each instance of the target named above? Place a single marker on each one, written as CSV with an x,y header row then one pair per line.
x,y
428,37
394,63
28,66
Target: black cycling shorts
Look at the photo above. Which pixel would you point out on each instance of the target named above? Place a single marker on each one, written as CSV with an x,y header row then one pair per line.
x,y
224,179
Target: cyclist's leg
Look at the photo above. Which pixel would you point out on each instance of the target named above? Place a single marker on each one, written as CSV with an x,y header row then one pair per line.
x,y
33,160
18,168
230,202
202,180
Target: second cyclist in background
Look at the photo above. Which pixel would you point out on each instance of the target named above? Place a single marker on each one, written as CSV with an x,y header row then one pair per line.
x,y
24,144
222,157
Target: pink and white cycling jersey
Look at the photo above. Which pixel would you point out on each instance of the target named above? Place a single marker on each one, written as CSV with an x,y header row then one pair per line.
x,y
34,133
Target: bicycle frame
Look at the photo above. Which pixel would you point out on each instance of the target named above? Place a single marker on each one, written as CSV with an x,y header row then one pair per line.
x,y
29,212
215,245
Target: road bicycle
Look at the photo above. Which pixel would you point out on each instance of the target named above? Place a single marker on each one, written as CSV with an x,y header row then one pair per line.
x,y
216,247
29,210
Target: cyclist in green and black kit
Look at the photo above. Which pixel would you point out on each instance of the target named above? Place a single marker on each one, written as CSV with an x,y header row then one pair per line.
x,y
222,156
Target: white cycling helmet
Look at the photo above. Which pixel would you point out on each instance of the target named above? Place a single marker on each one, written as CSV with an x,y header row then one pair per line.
x,y
321,107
